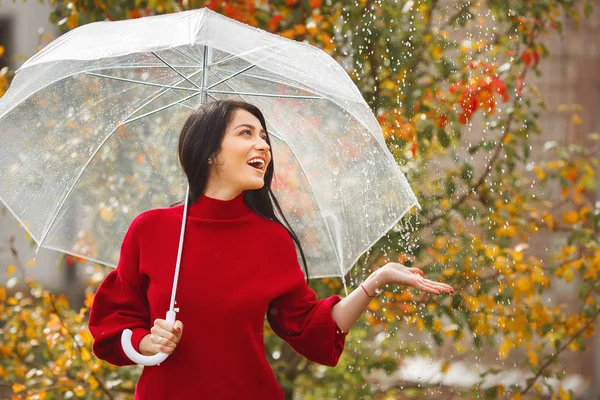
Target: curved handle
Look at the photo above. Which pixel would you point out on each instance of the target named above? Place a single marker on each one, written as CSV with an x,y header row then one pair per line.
x,y
139,358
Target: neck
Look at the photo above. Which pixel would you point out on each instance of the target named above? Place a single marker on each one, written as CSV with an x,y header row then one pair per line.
x,y
221,193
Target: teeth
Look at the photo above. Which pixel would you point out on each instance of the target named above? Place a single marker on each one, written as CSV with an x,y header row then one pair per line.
x,y
257,161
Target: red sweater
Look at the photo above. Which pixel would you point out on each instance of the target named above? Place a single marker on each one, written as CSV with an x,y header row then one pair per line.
x,y
236,267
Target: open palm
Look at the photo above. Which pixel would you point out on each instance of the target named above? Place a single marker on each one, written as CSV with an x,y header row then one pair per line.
x,y
399,274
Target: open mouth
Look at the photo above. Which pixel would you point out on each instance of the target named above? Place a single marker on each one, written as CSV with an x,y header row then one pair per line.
x,y
257,164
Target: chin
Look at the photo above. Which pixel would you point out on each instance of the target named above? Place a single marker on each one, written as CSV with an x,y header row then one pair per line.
x,y
255,185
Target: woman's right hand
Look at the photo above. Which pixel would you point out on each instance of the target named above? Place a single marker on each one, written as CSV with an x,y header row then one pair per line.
x,y
163,338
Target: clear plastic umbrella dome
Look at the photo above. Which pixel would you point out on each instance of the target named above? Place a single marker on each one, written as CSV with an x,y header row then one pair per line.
x,y
90,124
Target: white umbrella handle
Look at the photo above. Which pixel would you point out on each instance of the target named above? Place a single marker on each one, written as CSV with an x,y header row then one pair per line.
x,y
139,358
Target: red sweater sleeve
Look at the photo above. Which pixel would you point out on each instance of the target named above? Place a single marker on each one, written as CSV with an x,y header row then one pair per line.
x,y
120,303
305,322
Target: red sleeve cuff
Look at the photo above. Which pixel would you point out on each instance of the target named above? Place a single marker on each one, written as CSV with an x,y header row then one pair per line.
x,y
137,335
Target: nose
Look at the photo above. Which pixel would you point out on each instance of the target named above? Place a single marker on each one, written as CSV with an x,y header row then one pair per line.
x,y
262,145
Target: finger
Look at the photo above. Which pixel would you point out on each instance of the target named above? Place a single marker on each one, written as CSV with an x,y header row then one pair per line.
x,y
178,328
442,286
416,271
166,334
163,345
424,285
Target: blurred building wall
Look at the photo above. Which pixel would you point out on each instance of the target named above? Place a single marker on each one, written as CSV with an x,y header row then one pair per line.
x,y
571,75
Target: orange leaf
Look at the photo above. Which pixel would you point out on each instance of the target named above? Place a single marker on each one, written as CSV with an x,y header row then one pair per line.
x,y
89,298
17,387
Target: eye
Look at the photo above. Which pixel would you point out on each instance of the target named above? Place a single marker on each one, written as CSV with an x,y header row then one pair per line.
x,y
246,131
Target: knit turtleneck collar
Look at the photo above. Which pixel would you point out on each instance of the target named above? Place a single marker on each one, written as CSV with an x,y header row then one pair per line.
x,y
208,208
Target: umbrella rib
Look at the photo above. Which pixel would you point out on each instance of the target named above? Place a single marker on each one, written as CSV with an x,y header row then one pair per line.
x,y
141,82
127,121
241,55
231,76
186,55
265,78
177,71
285,96
239,72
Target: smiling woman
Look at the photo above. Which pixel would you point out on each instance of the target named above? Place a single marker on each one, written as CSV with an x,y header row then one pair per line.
x,y
239,263
242,160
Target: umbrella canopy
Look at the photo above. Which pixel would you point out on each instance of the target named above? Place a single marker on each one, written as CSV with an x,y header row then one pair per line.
x,y
90,124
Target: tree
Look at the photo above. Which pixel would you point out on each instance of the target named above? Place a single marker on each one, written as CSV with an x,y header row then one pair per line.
x,y
432,72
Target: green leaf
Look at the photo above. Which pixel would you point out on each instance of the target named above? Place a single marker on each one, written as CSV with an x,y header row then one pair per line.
x,y
457,301
546,328
443,138
581,343
467,173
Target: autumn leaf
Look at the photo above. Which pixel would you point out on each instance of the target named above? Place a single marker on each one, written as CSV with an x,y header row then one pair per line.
x,y
18,388
570,217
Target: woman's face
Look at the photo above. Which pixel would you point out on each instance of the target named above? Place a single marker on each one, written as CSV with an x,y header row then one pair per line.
x,y
242,160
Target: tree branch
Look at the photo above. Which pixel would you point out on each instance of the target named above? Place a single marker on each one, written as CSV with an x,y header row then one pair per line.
x,y
562,348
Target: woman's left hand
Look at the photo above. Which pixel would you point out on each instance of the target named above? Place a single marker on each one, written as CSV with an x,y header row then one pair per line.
x,y
395,273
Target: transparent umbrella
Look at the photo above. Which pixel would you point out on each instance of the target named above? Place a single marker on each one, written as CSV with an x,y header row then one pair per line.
x,y
90,127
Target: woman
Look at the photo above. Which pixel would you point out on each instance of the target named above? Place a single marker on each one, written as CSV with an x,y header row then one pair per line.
x,y
238,264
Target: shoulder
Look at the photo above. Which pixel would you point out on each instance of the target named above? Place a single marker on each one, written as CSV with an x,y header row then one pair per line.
x,y
274,231
154,218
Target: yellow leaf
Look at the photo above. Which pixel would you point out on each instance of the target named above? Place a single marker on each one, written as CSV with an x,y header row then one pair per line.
x,y
437,52
79,391
448,272
89,299
563,394
85,354
73,21
107,214
569,274
577,119
570,217
445,367
93,383
549,220
508,231
10,270
505,348
440,242
524,284
533,358
388,84
2,293
539,172
17,387
1,51
492,251
31,263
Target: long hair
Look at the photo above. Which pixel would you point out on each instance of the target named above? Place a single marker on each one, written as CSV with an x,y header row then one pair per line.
x,y
201,138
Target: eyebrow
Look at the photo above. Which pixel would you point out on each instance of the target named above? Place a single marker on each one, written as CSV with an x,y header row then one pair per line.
x,y
249,126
